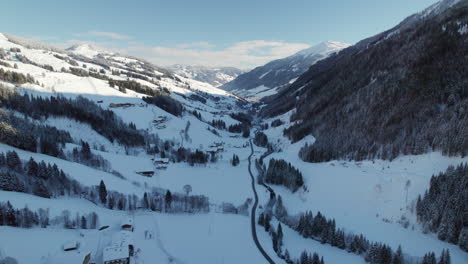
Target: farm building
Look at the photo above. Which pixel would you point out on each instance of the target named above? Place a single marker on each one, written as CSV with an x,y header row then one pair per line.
x,y
161,167
127,224
71,245
212,150
160,120
148,173
161,161
121,249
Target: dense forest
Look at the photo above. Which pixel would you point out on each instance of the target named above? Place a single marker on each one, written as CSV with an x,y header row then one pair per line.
x,y
105,122
38,178
24,134
400,92
443,208
283,173
166,103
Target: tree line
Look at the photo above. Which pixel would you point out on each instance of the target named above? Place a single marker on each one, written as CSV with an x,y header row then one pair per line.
x,y
325,230
38,178
442,209
15,77
48,181
21,132
277,236
27,218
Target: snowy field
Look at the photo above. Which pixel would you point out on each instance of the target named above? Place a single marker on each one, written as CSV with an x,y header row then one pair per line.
x,y
367,197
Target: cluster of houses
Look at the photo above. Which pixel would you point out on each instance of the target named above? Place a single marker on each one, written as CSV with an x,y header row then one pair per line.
x,y
159,164
119,252
159,122
216,147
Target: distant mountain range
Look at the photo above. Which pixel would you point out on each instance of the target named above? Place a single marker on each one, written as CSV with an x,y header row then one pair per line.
x,y
272,77
215,76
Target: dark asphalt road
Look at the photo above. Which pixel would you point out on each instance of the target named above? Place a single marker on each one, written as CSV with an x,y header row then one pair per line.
x,y
254,208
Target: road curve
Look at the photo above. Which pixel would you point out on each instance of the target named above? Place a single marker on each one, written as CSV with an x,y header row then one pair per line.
x,y
254,208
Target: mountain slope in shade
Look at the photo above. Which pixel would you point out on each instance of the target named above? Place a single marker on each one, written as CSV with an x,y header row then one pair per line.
x,y
273,76
215,76
400,92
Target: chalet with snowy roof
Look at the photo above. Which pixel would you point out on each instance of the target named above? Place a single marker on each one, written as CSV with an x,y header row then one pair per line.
x,y
212,150
127,224
161,161
146,173
121,250
71,245
161,167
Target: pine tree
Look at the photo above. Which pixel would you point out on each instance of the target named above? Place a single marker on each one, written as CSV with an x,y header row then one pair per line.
x,y
315,259
83,224
261,219
32,167
267,222
398,256
280,234
102,192
280,210
145,201
287,256
168,199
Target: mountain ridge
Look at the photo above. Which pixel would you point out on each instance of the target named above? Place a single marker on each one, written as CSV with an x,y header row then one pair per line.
x,y
281,72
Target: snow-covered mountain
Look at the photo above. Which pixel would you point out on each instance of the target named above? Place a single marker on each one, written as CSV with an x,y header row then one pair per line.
x,y
107,158
215,76
270,78
86,50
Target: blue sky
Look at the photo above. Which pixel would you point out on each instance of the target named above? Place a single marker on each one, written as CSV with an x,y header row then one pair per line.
x,y
241,33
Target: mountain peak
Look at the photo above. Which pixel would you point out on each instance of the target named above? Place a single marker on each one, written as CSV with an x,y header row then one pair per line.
x,y
324,48
84,49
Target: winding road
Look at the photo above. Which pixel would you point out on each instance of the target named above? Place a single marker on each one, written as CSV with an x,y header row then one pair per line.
x,y
254,208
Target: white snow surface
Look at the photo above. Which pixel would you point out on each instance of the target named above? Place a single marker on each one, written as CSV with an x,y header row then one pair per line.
x,y
365,197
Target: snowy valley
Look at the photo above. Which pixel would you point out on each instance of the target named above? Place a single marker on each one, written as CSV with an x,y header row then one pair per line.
x,y
107,158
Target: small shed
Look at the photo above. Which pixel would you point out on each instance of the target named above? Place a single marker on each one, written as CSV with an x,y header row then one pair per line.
x,y
71,245
148,173
127,224
161,161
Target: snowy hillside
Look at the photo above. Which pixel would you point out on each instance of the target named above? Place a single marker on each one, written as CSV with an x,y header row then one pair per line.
x,y
274,76
107,158
215,76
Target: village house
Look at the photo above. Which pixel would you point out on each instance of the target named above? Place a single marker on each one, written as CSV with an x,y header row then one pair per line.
x,y
147,173
121,250
127,224
71,245
159,161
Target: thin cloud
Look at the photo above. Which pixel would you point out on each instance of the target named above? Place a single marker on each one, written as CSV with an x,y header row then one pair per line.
x,y
245,54
103,34
201,45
